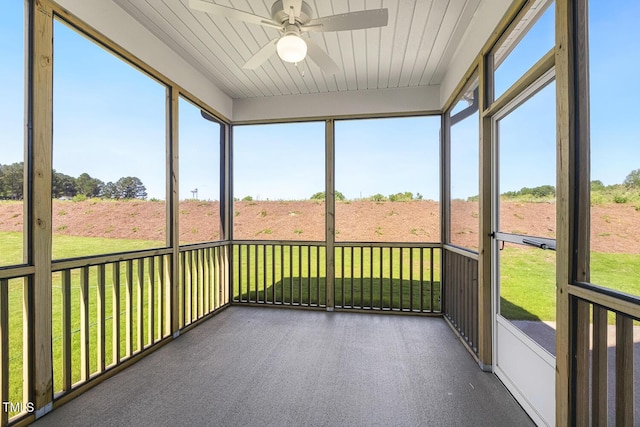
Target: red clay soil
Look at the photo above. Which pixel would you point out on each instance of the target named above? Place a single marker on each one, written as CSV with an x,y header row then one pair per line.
x,y
614,227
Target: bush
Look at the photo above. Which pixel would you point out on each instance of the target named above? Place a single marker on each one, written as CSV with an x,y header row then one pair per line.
x,y
401,197
247,199
620,198
79,198
597,198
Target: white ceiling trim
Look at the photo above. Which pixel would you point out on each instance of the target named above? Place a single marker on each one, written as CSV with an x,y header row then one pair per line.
x,y
394,101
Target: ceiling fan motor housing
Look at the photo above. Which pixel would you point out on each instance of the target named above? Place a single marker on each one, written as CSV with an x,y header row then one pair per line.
x,y
280,15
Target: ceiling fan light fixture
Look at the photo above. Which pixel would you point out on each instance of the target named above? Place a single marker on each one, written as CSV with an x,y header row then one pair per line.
x,y
291,48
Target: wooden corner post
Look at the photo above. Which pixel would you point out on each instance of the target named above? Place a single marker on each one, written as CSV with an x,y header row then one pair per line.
x,y
173,208
330,208
38,205
485,252
227,196
573,210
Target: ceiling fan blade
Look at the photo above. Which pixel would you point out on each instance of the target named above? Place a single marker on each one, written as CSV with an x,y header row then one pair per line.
x,y
321,58
295,5
261,56
228,12
349,21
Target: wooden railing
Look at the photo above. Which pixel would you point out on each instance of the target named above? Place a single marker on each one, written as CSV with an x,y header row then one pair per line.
x,y
15,286
368,276
461,293
279,273
105,310
401,277
603,329
202,288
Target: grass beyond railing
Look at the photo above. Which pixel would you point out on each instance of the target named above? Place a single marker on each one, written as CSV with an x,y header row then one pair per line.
x,y
389,276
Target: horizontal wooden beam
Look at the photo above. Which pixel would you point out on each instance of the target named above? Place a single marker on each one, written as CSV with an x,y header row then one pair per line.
x,y
69,264
607,301
16,272
538,70
461,251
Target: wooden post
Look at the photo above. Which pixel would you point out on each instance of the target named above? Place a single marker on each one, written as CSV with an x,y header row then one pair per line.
x,y
445,206
579,245
599,365
572,205
445,184
565,113
486,207
624,370
38,205
226,252
330,209
173,205
4,348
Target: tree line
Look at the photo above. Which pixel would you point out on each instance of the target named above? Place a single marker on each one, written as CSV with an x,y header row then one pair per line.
x,y
12,185
406,196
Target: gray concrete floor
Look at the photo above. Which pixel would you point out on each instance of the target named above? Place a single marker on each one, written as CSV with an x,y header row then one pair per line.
x,y
267,367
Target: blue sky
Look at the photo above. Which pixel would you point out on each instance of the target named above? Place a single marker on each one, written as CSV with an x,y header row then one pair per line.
x,y
110,122
199,154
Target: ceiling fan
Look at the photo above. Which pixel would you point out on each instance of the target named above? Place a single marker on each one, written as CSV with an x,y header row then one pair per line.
x,y
293,18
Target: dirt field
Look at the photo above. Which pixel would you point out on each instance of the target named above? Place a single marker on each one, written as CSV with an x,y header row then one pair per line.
x,y
614,227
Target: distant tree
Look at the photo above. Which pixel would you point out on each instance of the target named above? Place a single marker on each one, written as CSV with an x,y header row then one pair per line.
x,y
63,185
109,191
633,179
537,192
321,196
247,199
541,191
131,187
88,186
597,185
12,181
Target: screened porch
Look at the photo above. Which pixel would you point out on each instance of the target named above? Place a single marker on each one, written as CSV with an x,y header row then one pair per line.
x,y
418,223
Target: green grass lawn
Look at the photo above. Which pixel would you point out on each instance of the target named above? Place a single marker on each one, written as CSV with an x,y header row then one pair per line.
x,y
527,280
70,246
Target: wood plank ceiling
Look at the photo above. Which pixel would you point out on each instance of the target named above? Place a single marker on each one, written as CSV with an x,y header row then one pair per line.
x,y
413,50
